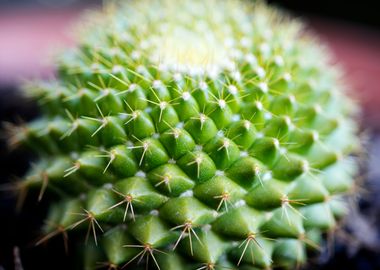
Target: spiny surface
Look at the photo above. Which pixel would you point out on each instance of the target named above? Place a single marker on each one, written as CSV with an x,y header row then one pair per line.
x,y
192,135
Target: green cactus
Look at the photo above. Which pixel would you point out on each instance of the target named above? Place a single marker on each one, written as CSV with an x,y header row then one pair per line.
x,y
192,135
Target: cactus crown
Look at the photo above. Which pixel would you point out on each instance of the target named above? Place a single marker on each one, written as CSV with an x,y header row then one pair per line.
x,y
194,134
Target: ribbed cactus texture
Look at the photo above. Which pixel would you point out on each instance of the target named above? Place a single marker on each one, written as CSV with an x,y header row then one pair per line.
x,y
192,135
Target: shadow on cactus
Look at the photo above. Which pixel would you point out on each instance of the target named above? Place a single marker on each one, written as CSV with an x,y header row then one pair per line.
x,y
192,135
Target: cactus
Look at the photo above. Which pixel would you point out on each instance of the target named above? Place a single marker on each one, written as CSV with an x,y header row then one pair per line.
x,y
192,135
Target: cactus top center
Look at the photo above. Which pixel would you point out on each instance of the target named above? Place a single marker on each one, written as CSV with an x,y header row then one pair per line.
x,y
190,51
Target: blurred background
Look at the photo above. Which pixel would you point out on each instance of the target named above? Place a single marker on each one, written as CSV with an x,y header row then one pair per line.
x,y
31,31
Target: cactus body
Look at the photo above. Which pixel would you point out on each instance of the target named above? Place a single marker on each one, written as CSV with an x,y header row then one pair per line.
x,y
193,135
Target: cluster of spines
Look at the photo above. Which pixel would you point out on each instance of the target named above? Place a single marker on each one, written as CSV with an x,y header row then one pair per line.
x,y
248,164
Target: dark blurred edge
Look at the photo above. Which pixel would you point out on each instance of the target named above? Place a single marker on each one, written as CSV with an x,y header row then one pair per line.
x,y
363,12
22,229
